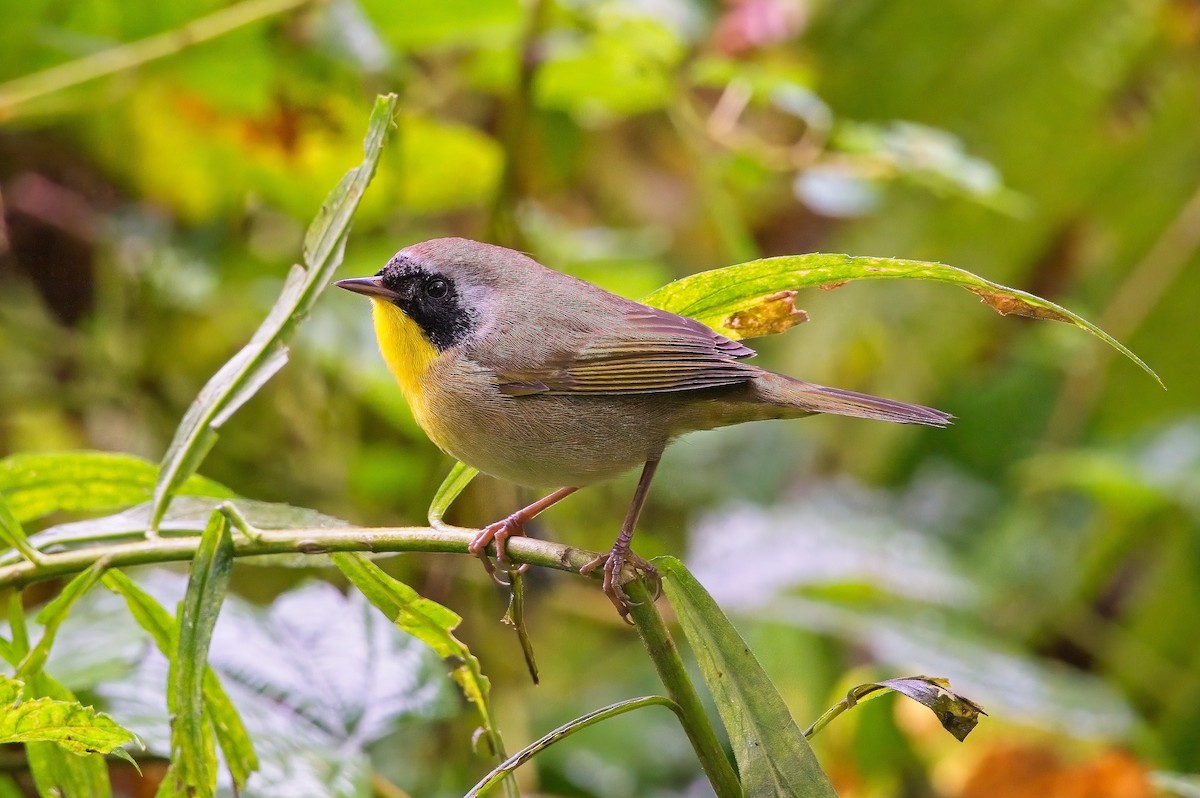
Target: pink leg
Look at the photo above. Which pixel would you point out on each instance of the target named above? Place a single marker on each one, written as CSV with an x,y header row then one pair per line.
x,y
513,525
621,553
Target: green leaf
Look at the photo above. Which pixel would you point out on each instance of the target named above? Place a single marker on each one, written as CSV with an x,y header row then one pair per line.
x,y
69,724
54,770
720,297
193,770
430,623
957,714
772,755
13,535
38,485
459,477
248,370
52,617
232,737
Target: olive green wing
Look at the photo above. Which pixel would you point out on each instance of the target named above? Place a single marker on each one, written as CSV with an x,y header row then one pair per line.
x,y
646,351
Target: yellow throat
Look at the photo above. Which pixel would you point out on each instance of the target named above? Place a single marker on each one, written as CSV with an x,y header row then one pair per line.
x,y
406,350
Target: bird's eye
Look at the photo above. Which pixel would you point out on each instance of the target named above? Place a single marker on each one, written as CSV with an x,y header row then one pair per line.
x,y
437,288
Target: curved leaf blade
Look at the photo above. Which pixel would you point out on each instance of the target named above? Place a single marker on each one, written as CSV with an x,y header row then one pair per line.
x,y
432,624
193,770
232,737
772,755
248,370
722,297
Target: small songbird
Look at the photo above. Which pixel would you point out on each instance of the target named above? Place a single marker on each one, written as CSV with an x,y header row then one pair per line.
x,y
548,381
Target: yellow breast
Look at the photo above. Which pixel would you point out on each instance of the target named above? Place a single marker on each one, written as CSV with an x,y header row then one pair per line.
x,y
407,352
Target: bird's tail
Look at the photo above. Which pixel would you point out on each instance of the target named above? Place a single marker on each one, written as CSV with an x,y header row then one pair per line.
x,y
803,398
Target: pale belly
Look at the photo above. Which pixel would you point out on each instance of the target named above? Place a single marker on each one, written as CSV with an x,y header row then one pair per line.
x,y
549,441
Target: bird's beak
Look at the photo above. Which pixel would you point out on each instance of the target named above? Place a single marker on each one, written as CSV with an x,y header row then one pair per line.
x,y
368,286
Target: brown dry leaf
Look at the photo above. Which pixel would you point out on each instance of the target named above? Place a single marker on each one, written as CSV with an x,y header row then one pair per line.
x,y
775,313
1038,772
1007,305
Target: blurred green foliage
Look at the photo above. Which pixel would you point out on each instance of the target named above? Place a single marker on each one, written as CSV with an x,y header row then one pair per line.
x,y
1043,553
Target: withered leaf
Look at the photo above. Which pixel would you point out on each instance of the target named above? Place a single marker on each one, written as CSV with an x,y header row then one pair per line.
x,y
773,314
1008,305
957,714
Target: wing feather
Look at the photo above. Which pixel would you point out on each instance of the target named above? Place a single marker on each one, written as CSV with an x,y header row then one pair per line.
x,y
647,351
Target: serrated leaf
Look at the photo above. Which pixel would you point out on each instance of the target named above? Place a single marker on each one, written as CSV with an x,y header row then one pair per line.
x,y
716,297
234,741
54,770
236,381
772,755
68,724
37,485
193,770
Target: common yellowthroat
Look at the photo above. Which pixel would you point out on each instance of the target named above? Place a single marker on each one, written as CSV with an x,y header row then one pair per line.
x,y
545,380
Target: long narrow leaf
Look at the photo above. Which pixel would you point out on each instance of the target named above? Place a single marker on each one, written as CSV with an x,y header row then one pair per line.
x,y
459,477
266,353
772,755
755,298
52,616
430,623
231,733
13,535
193,770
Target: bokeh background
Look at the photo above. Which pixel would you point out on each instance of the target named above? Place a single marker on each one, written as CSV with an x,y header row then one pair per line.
x,y
1043,553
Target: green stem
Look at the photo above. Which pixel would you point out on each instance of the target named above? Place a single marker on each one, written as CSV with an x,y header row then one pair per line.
x,y
566,730
665,655
290,541
127,56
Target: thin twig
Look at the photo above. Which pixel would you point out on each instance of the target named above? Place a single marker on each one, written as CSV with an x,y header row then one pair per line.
x,y
128,56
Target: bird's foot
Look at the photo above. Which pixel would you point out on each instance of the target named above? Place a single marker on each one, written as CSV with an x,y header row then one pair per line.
x,y
613,562
499,533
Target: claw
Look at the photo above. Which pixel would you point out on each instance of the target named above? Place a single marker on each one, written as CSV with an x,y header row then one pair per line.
x,y
499,533
613,563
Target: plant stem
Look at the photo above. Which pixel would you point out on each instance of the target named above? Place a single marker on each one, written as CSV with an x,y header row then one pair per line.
x,y
128,56
665,655
566,730
290,541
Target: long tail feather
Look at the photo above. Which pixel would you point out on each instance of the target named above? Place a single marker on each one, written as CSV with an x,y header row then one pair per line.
x,y
807,397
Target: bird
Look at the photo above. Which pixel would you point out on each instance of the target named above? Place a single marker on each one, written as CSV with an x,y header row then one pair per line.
x,y
547,381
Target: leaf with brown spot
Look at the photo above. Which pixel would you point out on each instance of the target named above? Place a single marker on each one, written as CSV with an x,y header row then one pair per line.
x,y
773,314
719,297
1007,305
